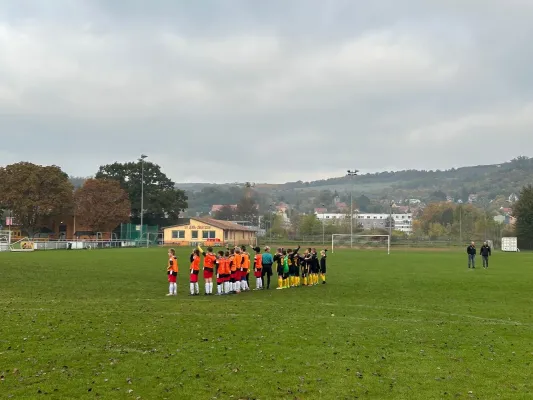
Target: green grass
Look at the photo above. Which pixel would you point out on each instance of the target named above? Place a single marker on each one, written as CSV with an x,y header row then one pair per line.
x,y
412,325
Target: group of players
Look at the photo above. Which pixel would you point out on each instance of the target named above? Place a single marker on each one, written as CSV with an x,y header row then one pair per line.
x,y
232,269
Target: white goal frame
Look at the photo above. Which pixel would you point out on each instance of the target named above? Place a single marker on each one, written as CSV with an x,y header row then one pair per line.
x,y
356,236
23,250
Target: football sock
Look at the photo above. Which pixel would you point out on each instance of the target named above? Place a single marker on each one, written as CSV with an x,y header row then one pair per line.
x,y
305,281
280,282
197,288
170,288
192,288
237,286
175,288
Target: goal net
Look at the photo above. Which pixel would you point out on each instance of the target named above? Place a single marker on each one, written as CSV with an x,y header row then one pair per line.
x,y
362,242
23,245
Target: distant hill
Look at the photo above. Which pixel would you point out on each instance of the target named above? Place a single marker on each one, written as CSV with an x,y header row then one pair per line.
x,y
486,181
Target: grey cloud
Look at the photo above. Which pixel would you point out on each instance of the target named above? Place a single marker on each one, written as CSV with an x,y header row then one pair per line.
x,y
323,86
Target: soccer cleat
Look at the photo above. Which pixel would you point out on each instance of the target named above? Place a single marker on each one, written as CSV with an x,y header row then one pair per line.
x,y
170,294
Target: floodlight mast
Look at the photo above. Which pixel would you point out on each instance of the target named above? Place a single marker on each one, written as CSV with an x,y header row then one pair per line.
x,y
142,193
351,174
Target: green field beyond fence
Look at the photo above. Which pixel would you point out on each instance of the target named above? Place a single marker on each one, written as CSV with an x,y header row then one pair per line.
x,y
409,325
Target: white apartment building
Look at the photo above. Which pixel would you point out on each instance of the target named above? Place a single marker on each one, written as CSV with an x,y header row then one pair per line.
x,y
402,222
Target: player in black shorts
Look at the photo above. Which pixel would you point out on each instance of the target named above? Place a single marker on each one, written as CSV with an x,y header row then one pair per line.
x,y
315,266
292,266
323,257
278,259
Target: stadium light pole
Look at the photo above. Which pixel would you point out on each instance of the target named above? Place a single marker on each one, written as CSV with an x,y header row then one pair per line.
x,y
142,192
351,174
323,230
390,219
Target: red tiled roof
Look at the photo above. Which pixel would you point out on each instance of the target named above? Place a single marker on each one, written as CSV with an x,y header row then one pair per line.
x,y
226,225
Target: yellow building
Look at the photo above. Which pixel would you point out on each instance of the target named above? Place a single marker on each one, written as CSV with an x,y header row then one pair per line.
x,y
208,231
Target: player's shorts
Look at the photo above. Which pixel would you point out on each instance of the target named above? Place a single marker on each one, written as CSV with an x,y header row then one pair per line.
x,y
323,269
266,270
279,270
292,270
225,277
220,280
285,275
172,278
258,273
296,271
233,276
194,276
244,272
208,273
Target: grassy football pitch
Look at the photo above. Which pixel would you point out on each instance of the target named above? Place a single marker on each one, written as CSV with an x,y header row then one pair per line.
x,y
412,325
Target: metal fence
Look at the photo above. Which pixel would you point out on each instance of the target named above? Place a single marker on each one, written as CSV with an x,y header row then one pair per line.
x,y
79,244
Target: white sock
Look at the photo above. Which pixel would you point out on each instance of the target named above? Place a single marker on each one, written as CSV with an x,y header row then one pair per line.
x,y
219,289
238,286
258,283
192,288
175,288
210,287
197,288
170,287
226,287
232,286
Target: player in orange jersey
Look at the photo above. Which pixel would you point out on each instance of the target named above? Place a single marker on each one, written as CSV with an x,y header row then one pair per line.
x,y
172,272
233,271
245,269
209,266
238,260
220,264
195,271
258,268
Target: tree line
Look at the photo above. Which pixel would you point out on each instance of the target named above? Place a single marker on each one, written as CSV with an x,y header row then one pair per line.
x,y
33,193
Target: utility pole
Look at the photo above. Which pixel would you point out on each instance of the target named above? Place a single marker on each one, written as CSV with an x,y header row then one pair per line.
x,y
142,193
390,219
323,230
351,174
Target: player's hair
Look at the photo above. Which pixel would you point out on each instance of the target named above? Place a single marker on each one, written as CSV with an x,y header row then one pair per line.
x,y
267,248
232,251
172,251
221,253
197,252
289,250
258,249
238,250
243,248
210,249
227,254
284,252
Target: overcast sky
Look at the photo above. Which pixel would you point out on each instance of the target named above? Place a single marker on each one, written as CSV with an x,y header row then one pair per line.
x,y
265,91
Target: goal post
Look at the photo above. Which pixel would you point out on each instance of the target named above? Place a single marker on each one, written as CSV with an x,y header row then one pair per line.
x,y
22,245
339,240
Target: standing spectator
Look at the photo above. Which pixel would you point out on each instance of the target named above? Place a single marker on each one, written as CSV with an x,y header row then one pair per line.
x,y
485,252
267,261
471,251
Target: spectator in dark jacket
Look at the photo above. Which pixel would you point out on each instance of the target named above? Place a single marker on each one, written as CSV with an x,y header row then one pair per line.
x,y
485,252
471,251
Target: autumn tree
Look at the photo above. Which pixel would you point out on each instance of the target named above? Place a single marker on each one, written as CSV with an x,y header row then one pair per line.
x,y
101,205
226,213
163,202
523,212
33,192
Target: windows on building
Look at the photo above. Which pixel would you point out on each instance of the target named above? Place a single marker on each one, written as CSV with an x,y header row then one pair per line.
x,y
178,234
209,234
